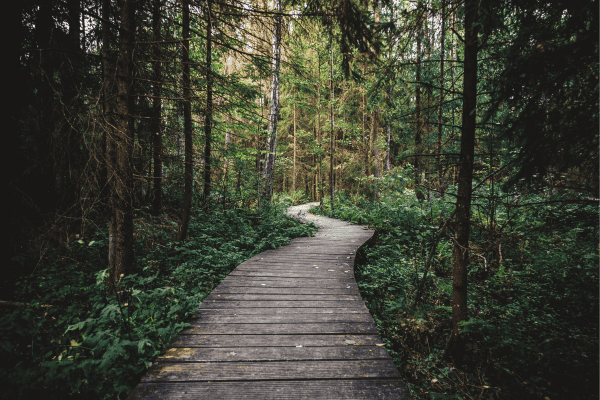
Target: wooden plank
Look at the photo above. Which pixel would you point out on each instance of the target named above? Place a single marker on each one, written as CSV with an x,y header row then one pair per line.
x,y
232,371
290,318
280,329
305,268
287,282
366,389
299,266
282,297
275,340
227,289
307,280
299,274
233,354
283,304
272,311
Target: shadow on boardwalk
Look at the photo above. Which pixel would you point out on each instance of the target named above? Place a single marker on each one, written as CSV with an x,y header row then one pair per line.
x,y
288,323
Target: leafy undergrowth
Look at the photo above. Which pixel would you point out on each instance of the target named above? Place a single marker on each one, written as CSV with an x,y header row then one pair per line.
x,y
69,338
533,296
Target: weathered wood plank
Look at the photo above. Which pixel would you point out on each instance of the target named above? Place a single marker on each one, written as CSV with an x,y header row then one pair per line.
x,y
283,304
293,274
287,282
282,297
272,311
232,354
229,289
366,389
279,318
300,267
275,340
299,370
280,329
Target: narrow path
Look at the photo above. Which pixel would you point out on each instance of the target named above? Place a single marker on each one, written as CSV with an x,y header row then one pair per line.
x,y
288,323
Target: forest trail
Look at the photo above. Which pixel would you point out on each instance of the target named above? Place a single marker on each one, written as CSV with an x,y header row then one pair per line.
x,y
287,323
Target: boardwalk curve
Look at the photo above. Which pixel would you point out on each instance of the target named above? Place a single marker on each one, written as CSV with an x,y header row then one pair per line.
x,y
286,324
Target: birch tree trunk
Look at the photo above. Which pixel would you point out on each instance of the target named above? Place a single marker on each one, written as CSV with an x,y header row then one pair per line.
x,y
331,141
274,109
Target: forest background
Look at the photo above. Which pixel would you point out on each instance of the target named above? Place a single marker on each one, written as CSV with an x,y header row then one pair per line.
x,y
151,146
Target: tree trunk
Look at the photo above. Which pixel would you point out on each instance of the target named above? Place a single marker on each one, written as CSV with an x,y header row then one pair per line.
x,y
274,109
440,110
108,137
155,129
295,144
331,141
364,128
72,107
460,253
419,127
123,135
209,106
187,124
388,149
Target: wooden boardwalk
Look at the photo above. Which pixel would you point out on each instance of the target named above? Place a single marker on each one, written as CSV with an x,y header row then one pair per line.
x,y
288,323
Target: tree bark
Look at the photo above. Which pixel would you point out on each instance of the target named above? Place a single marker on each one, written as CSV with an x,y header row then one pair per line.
x,y
419,125
460,253
274,109
187,124
108,135
364,129
331,141
123,173
155,129
295,143
209,106
441,185
72,107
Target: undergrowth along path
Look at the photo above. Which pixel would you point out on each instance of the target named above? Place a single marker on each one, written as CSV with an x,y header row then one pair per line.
x,y
287,323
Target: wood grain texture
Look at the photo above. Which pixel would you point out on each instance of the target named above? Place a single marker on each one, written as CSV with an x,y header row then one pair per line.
x,y
282,297
214,341
290,318
282,304
367,389
288,290
297,370
297,353
279,328
288,323
272,311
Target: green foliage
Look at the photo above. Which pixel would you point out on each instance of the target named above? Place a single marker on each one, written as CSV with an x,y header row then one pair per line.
x,y
533,293
75,338
292,198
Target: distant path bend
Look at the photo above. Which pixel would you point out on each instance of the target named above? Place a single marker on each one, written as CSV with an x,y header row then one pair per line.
x,y
286,324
